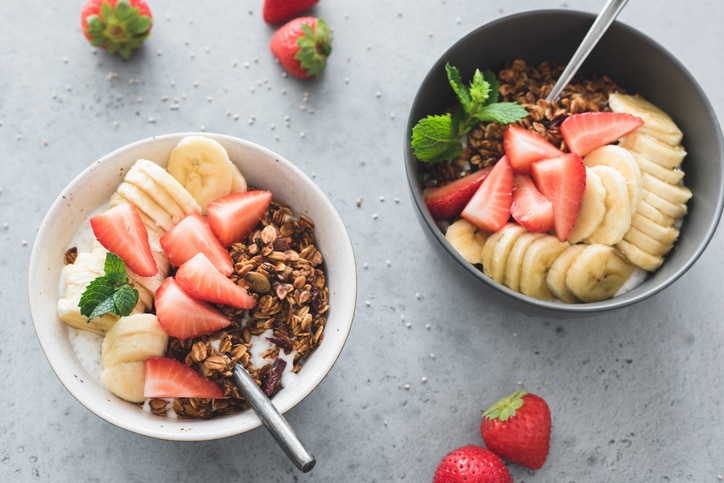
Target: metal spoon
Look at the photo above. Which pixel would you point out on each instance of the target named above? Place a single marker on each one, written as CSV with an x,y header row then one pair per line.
x,y
599,27
273,420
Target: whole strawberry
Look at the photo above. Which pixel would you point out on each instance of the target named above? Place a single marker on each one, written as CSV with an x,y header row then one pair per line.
x,y
518,429
277,11
118,26
471,464
302,46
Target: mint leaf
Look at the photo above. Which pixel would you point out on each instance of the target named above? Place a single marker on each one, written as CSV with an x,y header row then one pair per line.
x,y
494,86
115,270
436,138
125,299
458,86
110,293
479,91
106,306
95,294
501,112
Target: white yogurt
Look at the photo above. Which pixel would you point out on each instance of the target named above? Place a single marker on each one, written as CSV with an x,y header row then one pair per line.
x,y
87,347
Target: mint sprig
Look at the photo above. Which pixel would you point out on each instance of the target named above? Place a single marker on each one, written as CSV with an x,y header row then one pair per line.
x,y
437,137
110,293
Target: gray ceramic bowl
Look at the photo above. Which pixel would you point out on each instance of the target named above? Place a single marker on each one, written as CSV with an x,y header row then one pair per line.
x,y
635,62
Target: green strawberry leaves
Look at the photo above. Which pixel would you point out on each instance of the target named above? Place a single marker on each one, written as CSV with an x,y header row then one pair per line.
x,y
119,29
506,407
437,137
314,47
110,293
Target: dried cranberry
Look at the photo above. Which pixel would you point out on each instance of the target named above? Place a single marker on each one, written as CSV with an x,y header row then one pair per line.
x,y
270,380
283,343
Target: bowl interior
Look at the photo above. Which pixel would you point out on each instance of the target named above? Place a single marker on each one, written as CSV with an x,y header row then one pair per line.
x,y
93,188
636,63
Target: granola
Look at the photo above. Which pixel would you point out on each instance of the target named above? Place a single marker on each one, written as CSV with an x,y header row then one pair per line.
x,y
280,265
527,85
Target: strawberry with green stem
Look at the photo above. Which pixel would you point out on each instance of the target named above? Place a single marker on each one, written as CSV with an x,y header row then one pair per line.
x,y
302,46
118,26
518,429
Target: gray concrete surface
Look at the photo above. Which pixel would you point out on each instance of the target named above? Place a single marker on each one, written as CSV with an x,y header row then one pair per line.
x,y
636,395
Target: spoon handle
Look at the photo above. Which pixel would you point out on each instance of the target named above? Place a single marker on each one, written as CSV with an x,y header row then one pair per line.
x,y
273,420
598,28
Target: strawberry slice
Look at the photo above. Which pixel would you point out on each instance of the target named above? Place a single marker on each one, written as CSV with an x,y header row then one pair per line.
x,y
121,231
233,217
447,201
530,208
587,131
184,317
563,181
523,146
199,278
171,378
489,208
193,235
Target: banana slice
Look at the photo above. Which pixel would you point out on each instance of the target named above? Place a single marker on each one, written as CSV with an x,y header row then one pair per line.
x,y
646,243
169,184
514,263
238,182
146,205
126,380
673,176
203,167
674,210
617,219
656,122
537,261
486,255
657,151
501,250
145,296
133,338
677,194
639,257
151,225
164,199
124,350
665,234
467,240
592,208
654,214
597,273
556,278
76,276
622,161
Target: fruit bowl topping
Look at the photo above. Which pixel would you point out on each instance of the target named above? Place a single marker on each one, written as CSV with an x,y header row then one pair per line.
x,y
604,173
178,298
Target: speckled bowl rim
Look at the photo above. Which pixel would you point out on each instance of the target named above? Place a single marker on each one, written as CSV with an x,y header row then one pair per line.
x,y
553,23
263,168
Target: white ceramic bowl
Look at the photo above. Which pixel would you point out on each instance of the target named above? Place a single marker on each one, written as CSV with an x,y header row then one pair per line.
x,y
92,188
